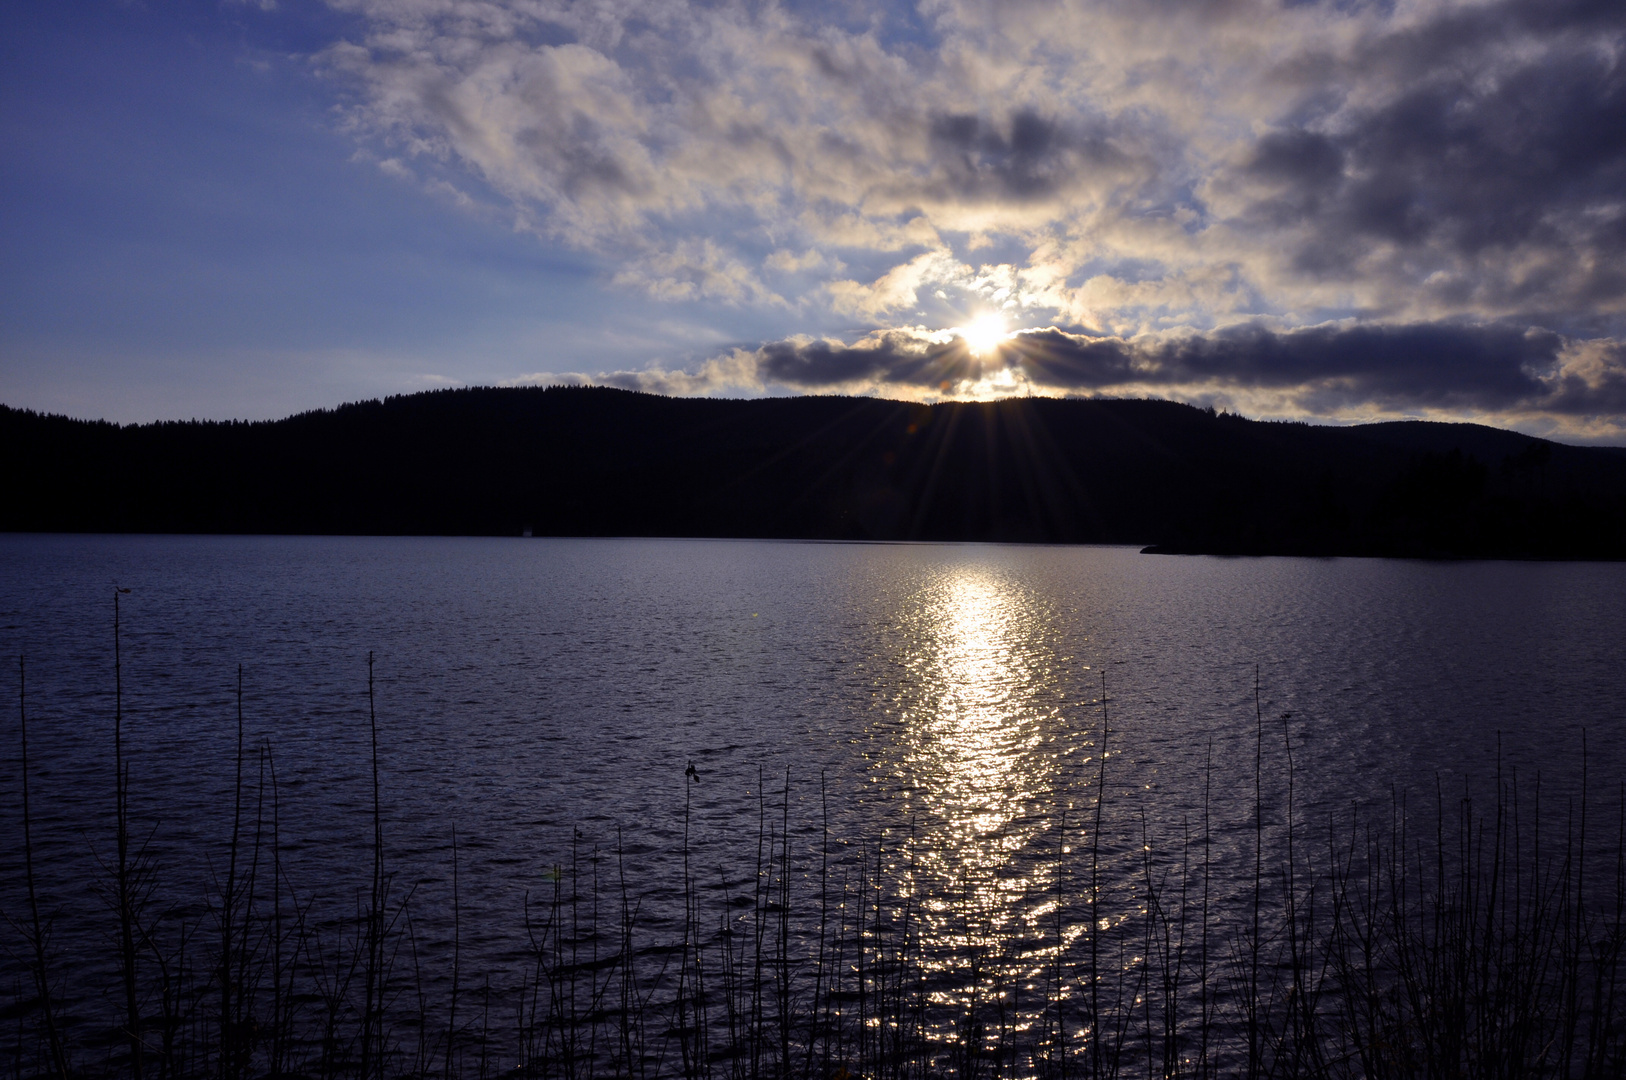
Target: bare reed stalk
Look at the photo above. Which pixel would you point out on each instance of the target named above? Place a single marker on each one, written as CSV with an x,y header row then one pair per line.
x,y
36,933
373,966
1250,999
1205,999
1303,983
1162,944
813,1013
227,977
1058,976
281,965
685,1009
1603,1059
1483,946
783,987
457,955
1097,1060
633,1003
125,884
241,966
761,895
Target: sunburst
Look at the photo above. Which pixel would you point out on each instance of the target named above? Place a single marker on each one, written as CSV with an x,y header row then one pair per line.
x,y
983,334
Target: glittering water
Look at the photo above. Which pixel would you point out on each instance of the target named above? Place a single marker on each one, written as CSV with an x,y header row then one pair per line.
x,y
546,696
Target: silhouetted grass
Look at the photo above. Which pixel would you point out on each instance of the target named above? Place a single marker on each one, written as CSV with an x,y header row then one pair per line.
x,y
1467,941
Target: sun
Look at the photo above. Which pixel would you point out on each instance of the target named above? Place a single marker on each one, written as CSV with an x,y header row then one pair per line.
x,y
984,333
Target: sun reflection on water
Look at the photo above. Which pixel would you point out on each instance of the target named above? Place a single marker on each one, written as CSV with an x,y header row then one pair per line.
x,y
984,743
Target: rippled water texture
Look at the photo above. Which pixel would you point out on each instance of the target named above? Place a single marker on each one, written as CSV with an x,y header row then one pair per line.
x,y
536,693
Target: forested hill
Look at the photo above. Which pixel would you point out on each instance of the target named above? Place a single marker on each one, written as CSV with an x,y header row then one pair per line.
x,y
600,462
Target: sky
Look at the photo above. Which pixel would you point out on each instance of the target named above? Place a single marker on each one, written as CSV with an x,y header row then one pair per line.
x,y
1328,210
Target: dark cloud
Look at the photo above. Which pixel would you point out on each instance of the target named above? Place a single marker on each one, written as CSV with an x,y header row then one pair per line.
x,y
1325,369
1028,156
1304,167
891,358
1449,163
1423,365
1506,137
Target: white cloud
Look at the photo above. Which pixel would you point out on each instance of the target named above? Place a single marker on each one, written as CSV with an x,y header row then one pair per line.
x,y
1130,167
899,288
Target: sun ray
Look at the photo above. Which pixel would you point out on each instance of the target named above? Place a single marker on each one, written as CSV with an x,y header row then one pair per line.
x,y
983,334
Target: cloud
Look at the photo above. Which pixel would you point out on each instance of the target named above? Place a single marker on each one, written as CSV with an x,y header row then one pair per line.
x,y
1487,169
697,270
433,382
1486,138
1530,378
1329,368
899,288
733,374
1429,178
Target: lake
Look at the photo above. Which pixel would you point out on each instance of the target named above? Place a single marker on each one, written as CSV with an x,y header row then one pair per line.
x,y
546,697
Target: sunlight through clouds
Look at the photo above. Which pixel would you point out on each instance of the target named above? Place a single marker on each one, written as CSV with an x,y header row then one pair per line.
x,y
984,334
1456,165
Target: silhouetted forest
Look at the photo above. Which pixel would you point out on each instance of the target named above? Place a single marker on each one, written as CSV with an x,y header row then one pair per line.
x,y
602,462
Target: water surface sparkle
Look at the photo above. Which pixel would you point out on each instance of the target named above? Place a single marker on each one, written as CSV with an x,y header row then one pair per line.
x,y
949,696
983,709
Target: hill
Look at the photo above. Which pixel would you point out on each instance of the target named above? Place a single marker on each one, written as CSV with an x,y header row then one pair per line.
x,y
592,461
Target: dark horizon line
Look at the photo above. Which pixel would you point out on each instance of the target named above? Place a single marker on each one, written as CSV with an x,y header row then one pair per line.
x,y
601,461
329,410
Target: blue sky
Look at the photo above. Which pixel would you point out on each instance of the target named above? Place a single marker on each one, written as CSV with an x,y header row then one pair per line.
x,y
1330,211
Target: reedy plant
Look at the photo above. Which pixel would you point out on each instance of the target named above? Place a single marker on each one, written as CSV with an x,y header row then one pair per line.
x,y
1486,945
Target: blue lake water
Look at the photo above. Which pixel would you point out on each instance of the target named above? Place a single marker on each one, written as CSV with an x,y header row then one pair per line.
x,y
540,694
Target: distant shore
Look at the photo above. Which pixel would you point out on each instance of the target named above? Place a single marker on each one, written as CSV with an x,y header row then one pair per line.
x,y
597,462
